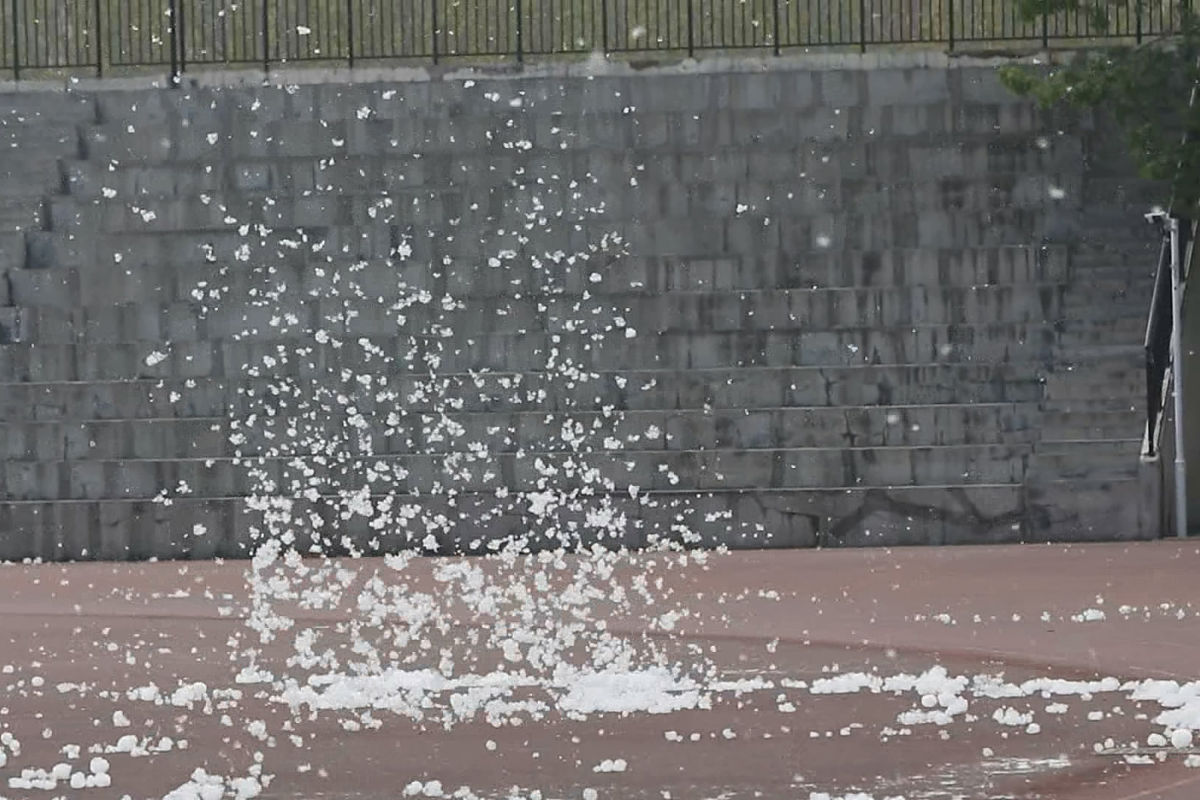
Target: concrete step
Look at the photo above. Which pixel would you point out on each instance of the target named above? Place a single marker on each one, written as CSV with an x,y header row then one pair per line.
x,y
32,179
779,309
35,136
748,233
826,468
828,173
21,214
497,130
632,390
534,351
1112,425
1086,509
1139,256
220,527
1116,381
12,259
1116,329
1090,459
1132,192
956,514
113,211
36,108
185,260
891,110
535,430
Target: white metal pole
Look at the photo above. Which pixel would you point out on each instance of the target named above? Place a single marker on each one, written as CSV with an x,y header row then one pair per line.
x,y
1181,522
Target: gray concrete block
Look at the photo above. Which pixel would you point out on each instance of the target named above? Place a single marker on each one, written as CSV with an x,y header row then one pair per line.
x,y
910,86
842,88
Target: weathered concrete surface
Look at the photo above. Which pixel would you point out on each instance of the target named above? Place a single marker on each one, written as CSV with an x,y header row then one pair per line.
x,y
865,304
1191,376
781,617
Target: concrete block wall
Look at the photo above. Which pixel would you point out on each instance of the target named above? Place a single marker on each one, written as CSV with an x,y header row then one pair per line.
x,y
772,306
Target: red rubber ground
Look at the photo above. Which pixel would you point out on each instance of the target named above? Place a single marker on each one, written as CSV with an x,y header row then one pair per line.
x,y
113,627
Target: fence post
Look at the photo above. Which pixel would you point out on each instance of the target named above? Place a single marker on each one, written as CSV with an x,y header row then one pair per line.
x,y
350,32
16,42
1139,21
433,29
520,43
691,30
604,26
181,26
950,34
99,41
173,14
1046,30
775,33
862,25
266,36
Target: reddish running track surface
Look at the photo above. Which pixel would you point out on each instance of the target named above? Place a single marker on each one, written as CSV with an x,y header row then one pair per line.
x,y
78,641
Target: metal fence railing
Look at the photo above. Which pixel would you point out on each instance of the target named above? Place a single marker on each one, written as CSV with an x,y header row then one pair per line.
x,y
37,36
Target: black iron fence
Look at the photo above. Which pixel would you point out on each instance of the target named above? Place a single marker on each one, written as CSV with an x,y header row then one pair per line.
x,y
37,36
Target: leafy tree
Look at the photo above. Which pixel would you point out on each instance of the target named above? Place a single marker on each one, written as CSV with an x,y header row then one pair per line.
x,y
1149,90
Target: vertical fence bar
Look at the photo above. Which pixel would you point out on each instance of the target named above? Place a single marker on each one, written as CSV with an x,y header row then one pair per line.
x,y
350,33
180,23
604,26
1139,21
691,26
16,42
862,25
266,36
1046,30
950,22
173,39
775,30
99,33
433,20
520,43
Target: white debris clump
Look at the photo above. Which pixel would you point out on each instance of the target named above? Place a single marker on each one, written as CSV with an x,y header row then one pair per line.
x,y
652,691
1011,716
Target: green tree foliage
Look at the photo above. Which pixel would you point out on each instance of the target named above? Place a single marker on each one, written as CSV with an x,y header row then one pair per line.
x,y
1148,90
